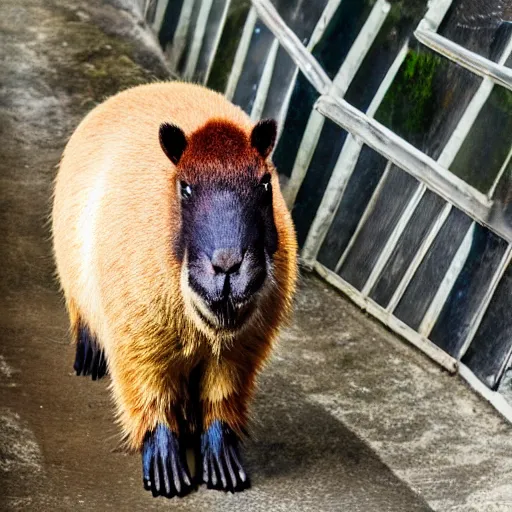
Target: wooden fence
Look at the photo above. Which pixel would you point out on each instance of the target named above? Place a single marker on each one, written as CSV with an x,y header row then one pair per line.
x,y
395,152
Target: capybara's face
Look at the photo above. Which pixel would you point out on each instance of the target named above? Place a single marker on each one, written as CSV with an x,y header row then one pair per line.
x,y
228,238
227,235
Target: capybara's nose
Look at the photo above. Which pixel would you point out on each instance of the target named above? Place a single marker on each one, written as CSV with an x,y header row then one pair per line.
x,y
227,260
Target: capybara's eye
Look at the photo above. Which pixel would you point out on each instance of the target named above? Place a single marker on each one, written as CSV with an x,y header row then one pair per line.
x,y
265,182
185,190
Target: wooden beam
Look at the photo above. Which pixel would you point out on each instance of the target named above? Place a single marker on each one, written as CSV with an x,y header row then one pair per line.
x,y
477,64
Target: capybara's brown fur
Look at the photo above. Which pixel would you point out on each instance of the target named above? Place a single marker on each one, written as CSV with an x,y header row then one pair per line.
x,y
117,224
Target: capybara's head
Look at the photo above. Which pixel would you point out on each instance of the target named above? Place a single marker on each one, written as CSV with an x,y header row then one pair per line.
x,y
227,235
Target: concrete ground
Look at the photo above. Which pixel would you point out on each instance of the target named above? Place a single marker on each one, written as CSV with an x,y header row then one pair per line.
x,y
348,418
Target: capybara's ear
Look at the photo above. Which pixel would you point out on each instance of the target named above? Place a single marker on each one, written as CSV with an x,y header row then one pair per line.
x,y
173,141
263,136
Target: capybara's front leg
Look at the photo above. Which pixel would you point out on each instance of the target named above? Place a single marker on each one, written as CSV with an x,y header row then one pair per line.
x,y
222,465
224,399
164,467
147,397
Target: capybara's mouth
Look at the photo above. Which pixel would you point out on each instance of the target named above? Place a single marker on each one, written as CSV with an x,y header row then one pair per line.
x,y
226,314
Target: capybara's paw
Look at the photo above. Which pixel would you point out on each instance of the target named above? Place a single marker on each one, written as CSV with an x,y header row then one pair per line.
x,y
221,462
90,358
164,469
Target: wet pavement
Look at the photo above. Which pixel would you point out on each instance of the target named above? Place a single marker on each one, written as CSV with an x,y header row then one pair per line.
x,y
347,418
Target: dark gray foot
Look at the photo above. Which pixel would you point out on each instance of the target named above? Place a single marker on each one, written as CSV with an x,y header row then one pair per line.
x,y
164,470
221,462
90,358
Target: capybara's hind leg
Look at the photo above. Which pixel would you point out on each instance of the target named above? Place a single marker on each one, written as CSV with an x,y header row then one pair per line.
x,y
90,358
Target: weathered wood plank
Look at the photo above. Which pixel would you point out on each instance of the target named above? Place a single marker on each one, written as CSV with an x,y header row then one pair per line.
x,y
497,72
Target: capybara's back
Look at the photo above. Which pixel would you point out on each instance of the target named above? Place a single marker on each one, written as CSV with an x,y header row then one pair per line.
x,y
177,259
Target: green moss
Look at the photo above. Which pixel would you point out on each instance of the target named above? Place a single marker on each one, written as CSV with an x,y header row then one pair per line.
x,y
407,106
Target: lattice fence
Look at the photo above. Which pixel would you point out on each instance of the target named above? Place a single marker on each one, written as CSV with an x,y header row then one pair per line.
x,y
395,152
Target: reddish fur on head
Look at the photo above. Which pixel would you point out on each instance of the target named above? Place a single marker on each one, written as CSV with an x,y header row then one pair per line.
x,y
219,150
219,144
